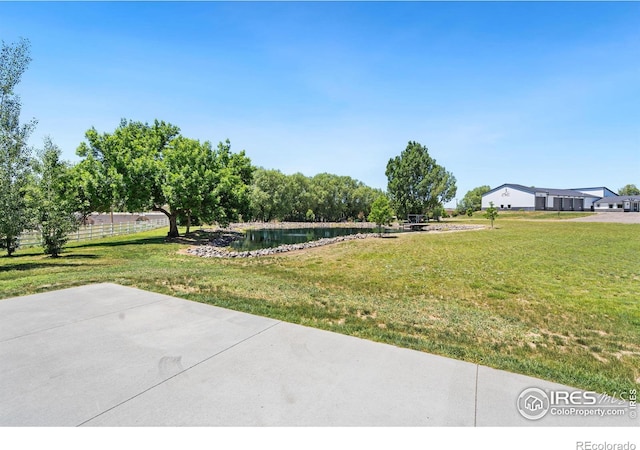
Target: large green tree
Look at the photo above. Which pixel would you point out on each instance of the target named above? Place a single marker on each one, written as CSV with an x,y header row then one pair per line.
x,y
56,202
416,183
93,186
151,167
203,184
629,189
228,185
15,156
473,199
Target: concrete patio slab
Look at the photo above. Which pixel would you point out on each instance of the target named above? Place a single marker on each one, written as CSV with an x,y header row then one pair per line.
x,y
294,375
99,357
107,355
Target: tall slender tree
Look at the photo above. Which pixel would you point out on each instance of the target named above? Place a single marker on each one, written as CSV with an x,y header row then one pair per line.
x,y
491,213
56,203
16,215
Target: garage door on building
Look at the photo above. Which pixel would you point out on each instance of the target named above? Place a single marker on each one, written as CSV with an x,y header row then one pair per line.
x,y
568,204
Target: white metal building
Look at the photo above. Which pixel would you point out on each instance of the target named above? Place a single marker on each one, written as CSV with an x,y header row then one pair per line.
x,y
518,197
626,203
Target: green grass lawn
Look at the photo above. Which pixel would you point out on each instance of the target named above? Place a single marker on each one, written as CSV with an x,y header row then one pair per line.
x,y
530,215
555,300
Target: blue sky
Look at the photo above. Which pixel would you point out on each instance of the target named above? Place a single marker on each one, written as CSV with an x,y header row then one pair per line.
x,y
544,94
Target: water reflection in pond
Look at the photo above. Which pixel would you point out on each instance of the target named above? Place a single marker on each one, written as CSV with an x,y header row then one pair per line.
x,y
268,238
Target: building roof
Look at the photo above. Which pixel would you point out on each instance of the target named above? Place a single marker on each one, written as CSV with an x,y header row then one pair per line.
x,y
604,189
592,188
619,198
565,193
518,187
548,191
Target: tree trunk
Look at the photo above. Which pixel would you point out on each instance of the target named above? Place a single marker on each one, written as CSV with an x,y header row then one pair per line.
x,y
188,223
173,221
9,243
173,226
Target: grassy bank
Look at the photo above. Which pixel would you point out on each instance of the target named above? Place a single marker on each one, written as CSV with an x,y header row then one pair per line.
x,y
556,300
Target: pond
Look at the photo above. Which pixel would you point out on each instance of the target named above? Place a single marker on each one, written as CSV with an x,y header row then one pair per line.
x,y
269,238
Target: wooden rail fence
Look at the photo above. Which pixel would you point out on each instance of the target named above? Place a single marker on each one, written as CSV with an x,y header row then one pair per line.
x,y
88,232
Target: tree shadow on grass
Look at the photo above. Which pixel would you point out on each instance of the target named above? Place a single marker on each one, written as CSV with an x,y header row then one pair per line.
x,y
47,261
141,241
6,257
35,265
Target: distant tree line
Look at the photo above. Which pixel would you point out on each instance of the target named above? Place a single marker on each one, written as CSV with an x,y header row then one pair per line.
x,y
299,198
